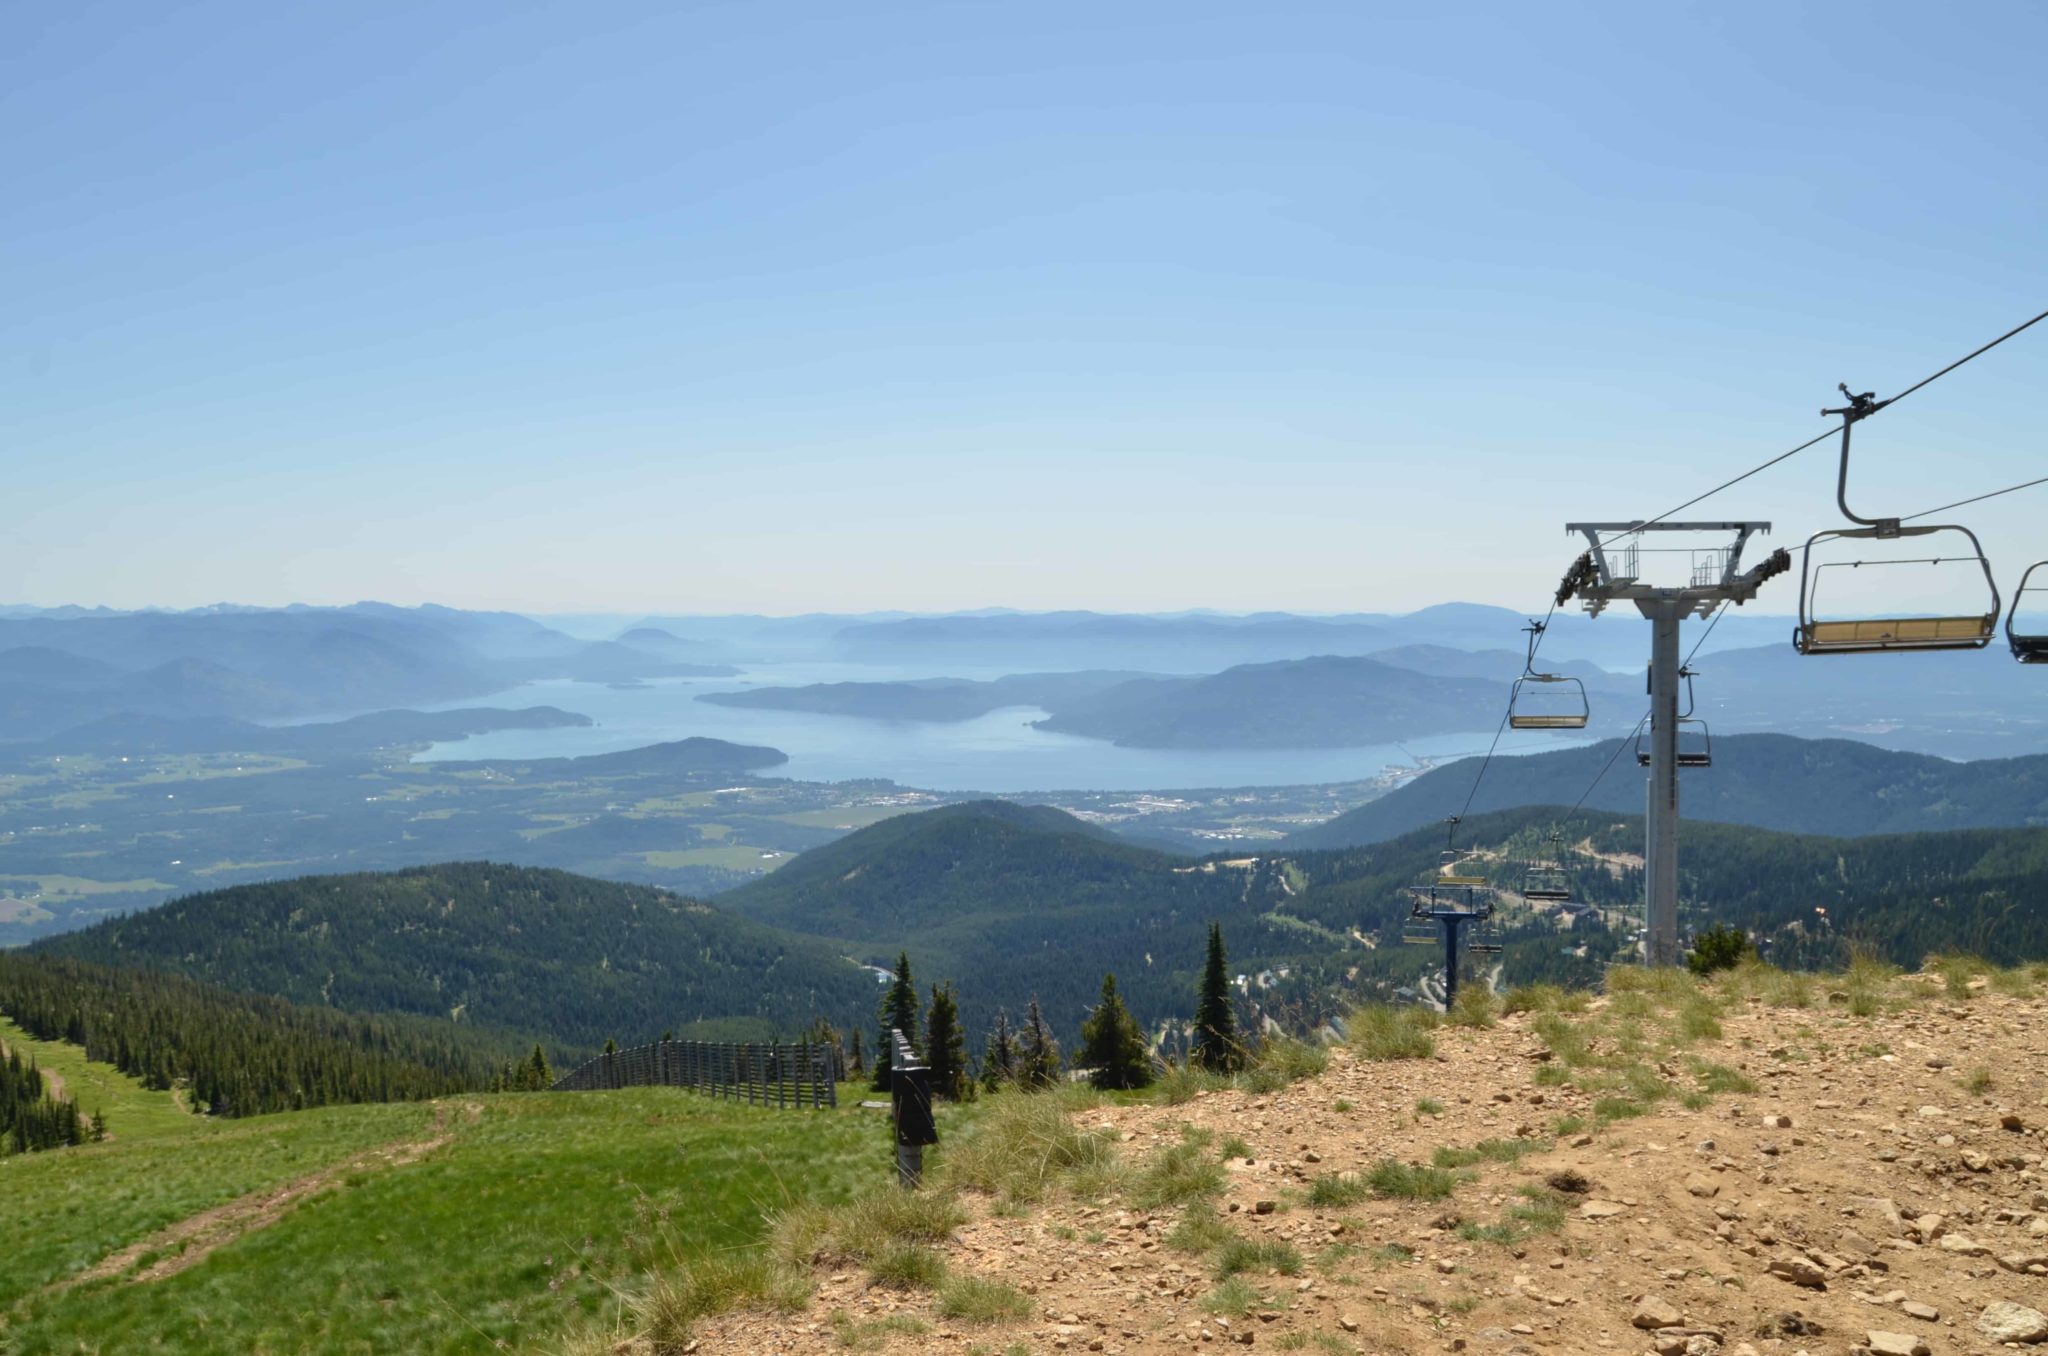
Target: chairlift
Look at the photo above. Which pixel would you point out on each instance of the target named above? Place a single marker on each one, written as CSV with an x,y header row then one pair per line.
x,y
1545,882
1869,635
1546,701
1695,742
1482,937
2027,647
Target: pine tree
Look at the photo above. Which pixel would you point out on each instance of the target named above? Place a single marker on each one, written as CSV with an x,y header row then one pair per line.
x,y
856,1056
999,1056
899,1013
539,1078
99,1126
1216,1044
611,1047
946,1045
1038,1062
1112,1046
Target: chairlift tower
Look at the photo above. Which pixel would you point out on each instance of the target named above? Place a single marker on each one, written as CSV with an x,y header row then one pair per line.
x,y
1603,576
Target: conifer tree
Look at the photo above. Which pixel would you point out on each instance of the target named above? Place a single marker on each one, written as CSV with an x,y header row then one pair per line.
x,y
899,1012
539,1078
1216,1044
856,1056
945,1045
999,1055
1112,1047
1038,1061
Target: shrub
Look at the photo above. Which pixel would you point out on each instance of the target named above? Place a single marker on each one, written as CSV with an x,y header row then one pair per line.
x,y
1239,1255
1721,947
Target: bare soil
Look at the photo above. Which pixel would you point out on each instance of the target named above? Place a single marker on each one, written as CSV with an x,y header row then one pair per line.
x,y
1870,1168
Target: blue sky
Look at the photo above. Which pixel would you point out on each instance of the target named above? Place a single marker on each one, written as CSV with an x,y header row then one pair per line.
x,y
789,307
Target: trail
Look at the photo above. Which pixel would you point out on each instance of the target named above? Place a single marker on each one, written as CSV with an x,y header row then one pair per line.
x,y
192,1240
54,1085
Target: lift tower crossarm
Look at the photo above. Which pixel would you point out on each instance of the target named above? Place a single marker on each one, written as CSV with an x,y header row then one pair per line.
x,y
1666,607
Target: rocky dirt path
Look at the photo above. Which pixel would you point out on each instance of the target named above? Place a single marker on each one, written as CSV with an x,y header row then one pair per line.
x,y
1883,1189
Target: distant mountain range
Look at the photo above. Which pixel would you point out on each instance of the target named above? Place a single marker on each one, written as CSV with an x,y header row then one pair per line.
x,y
1825,786
71,667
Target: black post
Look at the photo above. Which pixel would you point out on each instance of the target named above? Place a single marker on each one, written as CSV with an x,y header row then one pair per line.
x,y
1453,924
910,1107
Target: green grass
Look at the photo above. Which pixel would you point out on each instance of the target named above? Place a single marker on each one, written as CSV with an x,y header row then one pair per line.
x,y
1487,1151
1235,1298
1407,1181
1178,1174
1256,1256
1380,1032
908,1266
134,1113
1027,1145
1334,1191
1200,1230
973,1299
532,1220
1430,1106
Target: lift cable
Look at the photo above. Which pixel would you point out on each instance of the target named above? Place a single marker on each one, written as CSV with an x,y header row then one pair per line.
x,y
1874,408
2023,485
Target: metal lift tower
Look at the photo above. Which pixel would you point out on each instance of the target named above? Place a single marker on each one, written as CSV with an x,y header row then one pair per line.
x,y
1602,576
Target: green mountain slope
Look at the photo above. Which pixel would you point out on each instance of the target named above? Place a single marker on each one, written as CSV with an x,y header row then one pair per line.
x,y
1012,900
574,959
1829,786
240,1054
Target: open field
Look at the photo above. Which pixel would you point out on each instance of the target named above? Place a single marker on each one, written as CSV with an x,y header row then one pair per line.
x,y
472,1224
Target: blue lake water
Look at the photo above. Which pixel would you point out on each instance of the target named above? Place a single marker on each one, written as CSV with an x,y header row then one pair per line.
x,y
998,752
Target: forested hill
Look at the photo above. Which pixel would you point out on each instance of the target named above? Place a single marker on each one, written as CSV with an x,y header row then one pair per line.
x,y
240,1054
1903,896
563,956
1827,786
1013,901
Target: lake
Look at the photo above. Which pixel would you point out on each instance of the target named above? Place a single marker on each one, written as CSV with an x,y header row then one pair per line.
x,y
999,752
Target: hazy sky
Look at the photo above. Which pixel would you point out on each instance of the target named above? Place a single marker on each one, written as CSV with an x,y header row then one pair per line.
x,y
728,307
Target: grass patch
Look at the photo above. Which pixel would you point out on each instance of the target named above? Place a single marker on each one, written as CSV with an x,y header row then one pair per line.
x,y
975,1299
1543,998
1239,1256
675,1300
1977,1081
1382,1032
1487,1151
1282,1060
1200,1230
1718,1079
1430,1106
1618,1109
908,1266
875,1332
1392,1178
1026,1144
1178,1174
863,1229
1334,1191
1473,1008
1235,1298
1234,1146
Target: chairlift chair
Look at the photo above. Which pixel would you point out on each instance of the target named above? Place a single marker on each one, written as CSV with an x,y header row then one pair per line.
x,y
1699,752
1546,701
2028,648
1482,937
1545,882
1871,635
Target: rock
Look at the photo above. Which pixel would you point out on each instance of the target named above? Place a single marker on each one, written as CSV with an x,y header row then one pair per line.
x,y
1799,1271
1895,1344
1777,1122
1654,1313
1926,1313
1602,1210
2005,1321
1975,1161
1706,1188
1927,1228
2026,1263
2010,1120
1962,1245
1262,1207
1881,1207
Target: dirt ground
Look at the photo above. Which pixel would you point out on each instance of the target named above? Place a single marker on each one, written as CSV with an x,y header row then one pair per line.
x,y
1881,1189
